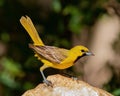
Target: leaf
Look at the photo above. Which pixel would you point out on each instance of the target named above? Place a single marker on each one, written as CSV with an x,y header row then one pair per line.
x,y
56,6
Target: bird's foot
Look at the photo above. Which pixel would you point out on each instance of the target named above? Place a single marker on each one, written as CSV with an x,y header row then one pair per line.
x,y
48,83
74,78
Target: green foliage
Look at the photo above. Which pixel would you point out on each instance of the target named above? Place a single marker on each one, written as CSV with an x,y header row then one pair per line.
x,y
10,70
28,85
116,92
75,19
1,2
80,13
56,6
5,37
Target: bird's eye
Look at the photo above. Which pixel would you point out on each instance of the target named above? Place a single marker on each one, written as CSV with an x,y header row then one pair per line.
x,y
82,50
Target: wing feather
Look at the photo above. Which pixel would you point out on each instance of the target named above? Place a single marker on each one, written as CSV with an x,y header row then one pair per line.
x,y
50,53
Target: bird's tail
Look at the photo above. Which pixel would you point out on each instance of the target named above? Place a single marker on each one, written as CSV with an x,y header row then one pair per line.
x,y
30,28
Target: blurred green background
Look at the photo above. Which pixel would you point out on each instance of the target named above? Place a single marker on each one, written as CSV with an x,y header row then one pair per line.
x,y
56,21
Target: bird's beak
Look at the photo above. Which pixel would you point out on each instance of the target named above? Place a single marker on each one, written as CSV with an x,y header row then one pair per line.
x,y
89,54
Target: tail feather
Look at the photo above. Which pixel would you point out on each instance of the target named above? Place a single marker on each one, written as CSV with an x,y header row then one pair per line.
x,y
30,28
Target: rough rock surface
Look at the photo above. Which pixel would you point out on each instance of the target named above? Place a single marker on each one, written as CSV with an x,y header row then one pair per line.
x,y
64,86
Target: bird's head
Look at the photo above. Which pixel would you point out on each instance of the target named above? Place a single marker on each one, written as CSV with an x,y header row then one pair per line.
x,y
82,51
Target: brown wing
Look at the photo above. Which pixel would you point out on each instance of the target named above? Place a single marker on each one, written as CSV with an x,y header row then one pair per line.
x,y
50,53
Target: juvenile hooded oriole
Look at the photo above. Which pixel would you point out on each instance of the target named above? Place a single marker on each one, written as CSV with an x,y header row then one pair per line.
x,y
51,56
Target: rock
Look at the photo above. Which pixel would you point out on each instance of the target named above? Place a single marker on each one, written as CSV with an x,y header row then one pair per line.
x,y
64,86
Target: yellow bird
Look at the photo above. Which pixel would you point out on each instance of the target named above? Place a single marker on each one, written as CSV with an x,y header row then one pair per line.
x,y
51,56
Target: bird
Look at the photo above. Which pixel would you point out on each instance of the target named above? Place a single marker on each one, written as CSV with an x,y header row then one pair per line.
x,y
51,56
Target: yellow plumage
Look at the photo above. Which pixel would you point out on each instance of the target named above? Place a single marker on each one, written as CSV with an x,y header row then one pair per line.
x,y
29,27
51,56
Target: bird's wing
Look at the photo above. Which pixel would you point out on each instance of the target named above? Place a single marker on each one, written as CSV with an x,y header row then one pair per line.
x,y
50,53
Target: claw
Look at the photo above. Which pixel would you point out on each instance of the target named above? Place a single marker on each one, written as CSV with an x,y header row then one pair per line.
x,y
74,78
49,83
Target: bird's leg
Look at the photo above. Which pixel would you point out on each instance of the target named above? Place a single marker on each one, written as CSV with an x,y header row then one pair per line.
x,y
44,78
